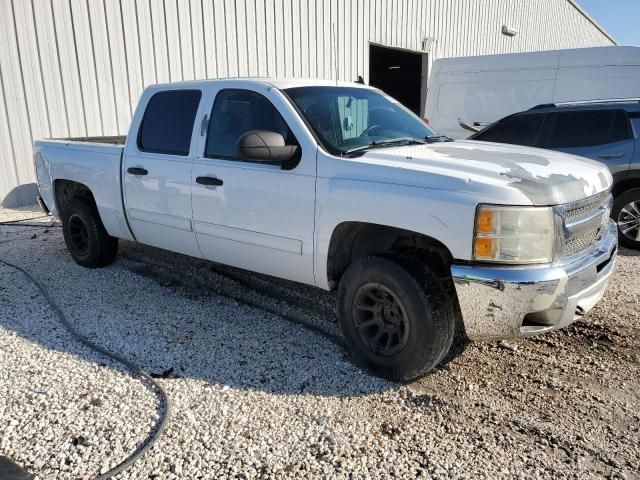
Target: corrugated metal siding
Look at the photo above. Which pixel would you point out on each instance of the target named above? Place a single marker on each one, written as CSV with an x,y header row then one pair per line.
x,y
77,67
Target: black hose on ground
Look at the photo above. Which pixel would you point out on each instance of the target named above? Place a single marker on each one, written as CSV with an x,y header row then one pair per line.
x,y
144,377
33,225
18,223
11,222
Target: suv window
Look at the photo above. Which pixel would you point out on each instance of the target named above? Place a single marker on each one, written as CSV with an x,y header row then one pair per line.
x,y
236,112
635,120
168,121
520,130
589,128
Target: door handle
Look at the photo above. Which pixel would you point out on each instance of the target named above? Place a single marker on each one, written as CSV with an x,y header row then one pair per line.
x,y
137,171
610,156
209,181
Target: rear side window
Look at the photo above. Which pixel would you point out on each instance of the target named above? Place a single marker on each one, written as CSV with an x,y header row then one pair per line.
x,y
168,122
589,128
521,130
236,112
620,130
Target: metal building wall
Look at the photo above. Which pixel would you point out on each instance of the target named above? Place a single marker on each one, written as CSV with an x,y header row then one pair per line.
x,y
77,67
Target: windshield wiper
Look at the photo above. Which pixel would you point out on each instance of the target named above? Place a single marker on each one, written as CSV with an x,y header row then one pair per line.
x,y
438,138
387,143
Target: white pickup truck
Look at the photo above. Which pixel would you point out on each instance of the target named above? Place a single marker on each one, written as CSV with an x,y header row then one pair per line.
x,y
337,185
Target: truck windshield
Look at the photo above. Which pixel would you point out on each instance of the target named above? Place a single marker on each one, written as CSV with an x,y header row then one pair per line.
x,y
351,119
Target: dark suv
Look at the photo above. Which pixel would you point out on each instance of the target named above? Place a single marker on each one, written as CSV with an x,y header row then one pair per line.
x,y
608,131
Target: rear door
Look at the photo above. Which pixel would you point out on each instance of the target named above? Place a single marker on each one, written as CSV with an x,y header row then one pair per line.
x,y
603,135
259,216
157,170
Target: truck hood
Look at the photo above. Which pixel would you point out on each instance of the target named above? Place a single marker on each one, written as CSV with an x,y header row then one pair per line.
x,y
544,177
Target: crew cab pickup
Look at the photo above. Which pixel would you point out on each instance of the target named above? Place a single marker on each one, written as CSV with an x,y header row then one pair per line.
x,y
339,186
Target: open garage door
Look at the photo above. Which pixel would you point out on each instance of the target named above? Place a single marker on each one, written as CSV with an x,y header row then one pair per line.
x,y
399,73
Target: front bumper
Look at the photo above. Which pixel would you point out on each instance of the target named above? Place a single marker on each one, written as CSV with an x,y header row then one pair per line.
x,y
508,302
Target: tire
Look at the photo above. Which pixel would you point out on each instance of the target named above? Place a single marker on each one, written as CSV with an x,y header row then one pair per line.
x,y
87,241
626,214
420,340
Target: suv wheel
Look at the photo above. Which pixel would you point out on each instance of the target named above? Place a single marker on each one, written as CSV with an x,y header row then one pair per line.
x,y
626,213
395,315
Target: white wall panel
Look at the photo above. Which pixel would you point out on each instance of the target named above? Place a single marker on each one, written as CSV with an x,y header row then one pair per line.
x,y
77,67
14,101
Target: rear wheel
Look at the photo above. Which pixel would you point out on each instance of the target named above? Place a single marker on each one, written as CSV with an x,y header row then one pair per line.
x,y
395,315
626,214
87,241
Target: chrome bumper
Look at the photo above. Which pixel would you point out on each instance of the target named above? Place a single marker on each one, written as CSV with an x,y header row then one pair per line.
x,y
509,302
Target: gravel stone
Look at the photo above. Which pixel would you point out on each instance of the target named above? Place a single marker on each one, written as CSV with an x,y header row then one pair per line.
x,y
261,386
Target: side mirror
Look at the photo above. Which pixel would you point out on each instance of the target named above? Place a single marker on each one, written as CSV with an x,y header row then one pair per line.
x,y
265,146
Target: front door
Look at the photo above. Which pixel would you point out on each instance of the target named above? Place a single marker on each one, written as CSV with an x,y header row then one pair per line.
x,y
157,172
251,214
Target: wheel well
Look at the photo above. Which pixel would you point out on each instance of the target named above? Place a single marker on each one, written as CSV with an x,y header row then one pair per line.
x,y
353,240
624,185
67,191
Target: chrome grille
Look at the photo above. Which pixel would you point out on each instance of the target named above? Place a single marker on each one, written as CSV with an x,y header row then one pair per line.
x,y
581,242
583,223
585,207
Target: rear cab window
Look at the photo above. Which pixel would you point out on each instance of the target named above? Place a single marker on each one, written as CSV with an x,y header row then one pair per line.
x,y
167,124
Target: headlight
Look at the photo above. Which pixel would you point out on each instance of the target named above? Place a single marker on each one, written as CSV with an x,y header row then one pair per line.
x,y
514,234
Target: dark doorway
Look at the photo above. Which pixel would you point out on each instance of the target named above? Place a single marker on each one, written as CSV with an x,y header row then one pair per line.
x,y
398,73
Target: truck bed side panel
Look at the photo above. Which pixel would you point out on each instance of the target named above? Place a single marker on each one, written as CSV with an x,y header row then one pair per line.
x,y
95,165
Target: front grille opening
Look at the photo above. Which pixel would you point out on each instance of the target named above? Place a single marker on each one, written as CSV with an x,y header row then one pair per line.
x,y
602,265
580,216
578,244
542,319
586,207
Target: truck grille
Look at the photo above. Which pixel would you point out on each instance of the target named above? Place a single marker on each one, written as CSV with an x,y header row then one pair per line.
x,y
586,207
584,223
580,243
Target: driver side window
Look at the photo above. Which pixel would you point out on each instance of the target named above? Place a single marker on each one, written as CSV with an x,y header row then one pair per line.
x,y
236,112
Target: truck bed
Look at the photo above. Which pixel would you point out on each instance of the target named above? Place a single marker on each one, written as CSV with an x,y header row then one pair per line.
x,y
111,140
94,162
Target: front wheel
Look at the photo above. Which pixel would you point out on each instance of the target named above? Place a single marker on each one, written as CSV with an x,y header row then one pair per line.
x,y
396,316
626,214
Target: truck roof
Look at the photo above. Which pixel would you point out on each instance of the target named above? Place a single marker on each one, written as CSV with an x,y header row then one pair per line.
x,y
280,83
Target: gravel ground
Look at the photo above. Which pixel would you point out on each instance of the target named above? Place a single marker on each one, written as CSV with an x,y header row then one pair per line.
x,y
261,386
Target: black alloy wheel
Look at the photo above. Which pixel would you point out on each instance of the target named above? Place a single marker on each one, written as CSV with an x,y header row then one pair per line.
x,y
380,319
78,234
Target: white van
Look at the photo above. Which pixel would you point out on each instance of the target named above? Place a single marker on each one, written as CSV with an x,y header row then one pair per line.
x,y
473,92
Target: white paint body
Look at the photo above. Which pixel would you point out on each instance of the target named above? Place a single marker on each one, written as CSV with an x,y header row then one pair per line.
x,y
487,88
280,222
